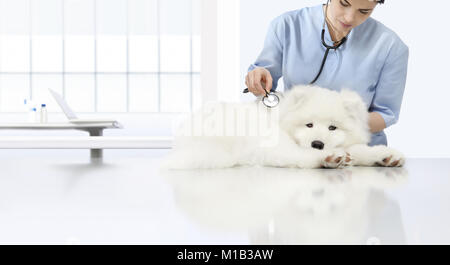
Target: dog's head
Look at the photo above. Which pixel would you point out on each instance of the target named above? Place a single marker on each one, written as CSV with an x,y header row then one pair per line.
x,y
320,118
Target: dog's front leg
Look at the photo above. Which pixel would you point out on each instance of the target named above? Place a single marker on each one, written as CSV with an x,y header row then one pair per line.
x,y
291,157
287,153
379,155
306,158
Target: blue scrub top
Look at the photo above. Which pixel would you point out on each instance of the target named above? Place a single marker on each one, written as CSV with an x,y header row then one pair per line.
x,y
373,61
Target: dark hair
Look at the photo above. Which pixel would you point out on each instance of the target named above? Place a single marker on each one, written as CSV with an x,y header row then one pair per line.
x,y
380,1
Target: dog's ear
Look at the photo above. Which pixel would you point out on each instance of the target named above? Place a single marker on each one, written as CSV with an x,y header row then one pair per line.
x,y
355,106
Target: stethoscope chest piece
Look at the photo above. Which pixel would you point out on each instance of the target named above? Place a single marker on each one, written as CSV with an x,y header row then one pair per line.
x,y
271,100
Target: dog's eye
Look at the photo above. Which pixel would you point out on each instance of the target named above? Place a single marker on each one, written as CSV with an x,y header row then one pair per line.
x,y
309,125
332,128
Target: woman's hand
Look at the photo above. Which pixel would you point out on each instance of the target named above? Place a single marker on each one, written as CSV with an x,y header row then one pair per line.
x,y
376,122
259,80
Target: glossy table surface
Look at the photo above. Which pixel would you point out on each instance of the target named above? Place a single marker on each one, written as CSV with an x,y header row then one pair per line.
x,y
127,199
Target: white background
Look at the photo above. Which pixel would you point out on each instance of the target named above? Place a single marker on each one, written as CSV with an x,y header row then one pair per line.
x,y
423,127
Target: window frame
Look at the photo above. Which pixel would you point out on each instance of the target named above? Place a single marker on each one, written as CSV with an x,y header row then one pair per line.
x,y
219,76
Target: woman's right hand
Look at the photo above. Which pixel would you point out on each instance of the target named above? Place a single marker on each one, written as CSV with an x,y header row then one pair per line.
x,y
259,80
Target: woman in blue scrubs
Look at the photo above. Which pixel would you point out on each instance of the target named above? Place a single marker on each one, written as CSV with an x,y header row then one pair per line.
x,y
372,61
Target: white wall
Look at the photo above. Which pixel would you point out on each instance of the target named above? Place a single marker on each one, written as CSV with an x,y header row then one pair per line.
x,y
423,25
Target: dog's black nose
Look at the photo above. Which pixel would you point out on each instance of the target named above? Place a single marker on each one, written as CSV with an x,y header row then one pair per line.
x,y
317,144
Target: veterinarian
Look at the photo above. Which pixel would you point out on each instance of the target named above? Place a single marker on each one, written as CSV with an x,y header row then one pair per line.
x,y
368,58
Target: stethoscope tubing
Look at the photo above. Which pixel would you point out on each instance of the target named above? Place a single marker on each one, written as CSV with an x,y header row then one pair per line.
x,y
326,53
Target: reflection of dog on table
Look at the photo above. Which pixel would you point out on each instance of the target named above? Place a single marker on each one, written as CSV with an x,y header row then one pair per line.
x,y
291,206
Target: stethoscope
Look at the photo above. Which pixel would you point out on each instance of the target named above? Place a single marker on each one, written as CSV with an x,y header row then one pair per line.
x,y
334,47
272,100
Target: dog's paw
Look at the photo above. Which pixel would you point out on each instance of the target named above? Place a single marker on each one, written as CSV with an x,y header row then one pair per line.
x,y
337,159
390,158
348,161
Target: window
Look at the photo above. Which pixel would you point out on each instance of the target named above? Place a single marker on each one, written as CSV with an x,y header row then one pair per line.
x,y
122,56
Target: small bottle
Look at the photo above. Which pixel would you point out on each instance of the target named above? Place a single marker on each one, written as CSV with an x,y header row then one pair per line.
x,y
44,117
34,118
29,106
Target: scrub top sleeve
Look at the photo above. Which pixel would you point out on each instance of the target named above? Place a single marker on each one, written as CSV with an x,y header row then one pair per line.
x,y
391,85
271,57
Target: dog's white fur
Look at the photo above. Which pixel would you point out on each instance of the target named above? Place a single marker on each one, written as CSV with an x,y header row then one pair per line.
x,y
280,137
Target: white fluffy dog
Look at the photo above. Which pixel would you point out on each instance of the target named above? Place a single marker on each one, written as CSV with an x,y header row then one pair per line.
x,y
312,127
